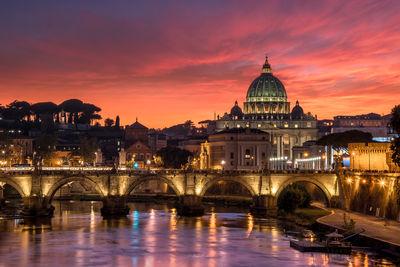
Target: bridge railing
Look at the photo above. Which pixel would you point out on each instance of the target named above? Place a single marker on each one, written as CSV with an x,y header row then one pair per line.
x,y
122,169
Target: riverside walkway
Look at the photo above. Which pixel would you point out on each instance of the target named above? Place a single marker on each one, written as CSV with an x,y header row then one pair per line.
x,y
377,228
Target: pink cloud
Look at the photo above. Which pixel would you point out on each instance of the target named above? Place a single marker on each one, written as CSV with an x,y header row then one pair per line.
x,y
169,62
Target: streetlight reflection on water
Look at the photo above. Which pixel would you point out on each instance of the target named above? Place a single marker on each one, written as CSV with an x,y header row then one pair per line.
x,y
154,235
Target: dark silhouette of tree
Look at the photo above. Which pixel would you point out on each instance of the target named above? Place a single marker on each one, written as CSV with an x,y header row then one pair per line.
x,y
72,107
395,125
292,197
89,113
18,110
341,141
174,157
108,122
45,112
117,122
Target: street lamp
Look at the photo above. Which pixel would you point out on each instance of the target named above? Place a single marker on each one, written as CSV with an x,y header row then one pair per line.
x,y
148,162
223,164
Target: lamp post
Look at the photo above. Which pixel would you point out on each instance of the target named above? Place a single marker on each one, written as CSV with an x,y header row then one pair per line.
x,y
148,162
223,164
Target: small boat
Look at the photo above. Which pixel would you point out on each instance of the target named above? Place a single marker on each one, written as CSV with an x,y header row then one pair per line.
x,y
333,244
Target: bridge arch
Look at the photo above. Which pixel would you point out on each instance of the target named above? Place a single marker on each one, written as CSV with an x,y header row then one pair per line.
x,y
63,181
215,180
14,185
142,180
314,181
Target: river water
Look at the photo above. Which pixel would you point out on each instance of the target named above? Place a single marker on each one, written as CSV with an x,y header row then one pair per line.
x,y
153,235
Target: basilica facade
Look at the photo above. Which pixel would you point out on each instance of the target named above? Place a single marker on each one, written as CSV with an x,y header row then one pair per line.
x,y
267,109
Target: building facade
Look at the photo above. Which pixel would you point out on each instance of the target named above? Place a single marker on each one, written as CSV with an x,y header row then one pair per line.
x,y
311,156
267,109
372,123
236,149
371,157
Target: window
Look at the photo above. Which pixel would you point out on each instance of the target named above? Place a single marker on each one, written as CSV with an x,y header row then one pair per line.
x,y
247,154
232,155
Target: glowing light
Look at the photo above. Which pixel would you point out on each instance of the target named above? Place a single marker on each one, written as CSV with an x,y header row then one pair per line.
x,y
136,165
223,162
364,181
349,180
382,183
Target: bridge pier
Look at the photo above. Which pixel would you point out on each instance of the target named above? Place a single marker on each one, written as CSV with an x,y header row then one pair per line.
x,y
37,206
190,205
264,205
114,206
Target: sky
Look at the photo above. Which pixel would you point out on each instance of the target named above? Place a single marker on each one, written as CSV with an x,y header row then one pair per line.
x,y
165,62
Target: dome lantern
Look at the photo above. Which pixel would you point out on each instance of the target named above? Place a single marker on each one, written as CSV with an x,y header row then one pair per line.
x,y
266,67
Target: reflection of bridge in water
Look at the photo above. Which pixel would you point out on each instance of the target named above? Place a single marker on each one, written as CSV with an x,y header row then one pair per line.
x,y
38,188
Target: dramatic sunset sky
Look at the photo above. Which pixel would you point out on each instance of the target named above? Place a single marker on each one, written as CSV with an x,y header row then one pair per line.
x,y
169,61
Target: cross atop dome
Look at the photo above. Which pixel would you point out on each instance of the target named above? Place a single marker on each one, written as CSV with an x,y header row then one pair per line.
x,y
266,67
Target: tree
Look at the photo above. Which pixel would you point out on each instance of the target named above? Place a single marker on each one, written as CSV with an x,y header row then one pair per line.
x,y
89,113
173,157
395,125
293,197
45,112
16,111
73,107
19,109
108,122
117,122
340,141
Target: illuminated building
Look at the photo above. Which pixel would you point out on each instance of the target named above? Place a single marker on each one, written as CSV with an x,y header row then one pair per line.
x,y
267,109
372,123
371,156
236,149
311,156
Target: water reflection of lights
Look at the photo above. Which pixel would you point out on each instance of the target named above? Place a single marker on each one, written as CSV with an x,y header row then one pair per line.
x,y
173,220
173,237
92,218
135,219
250,224
150,228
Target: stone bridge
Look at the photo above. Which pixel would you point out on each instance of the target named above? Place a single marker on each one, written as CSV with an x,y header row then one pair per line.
x,y
38,188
